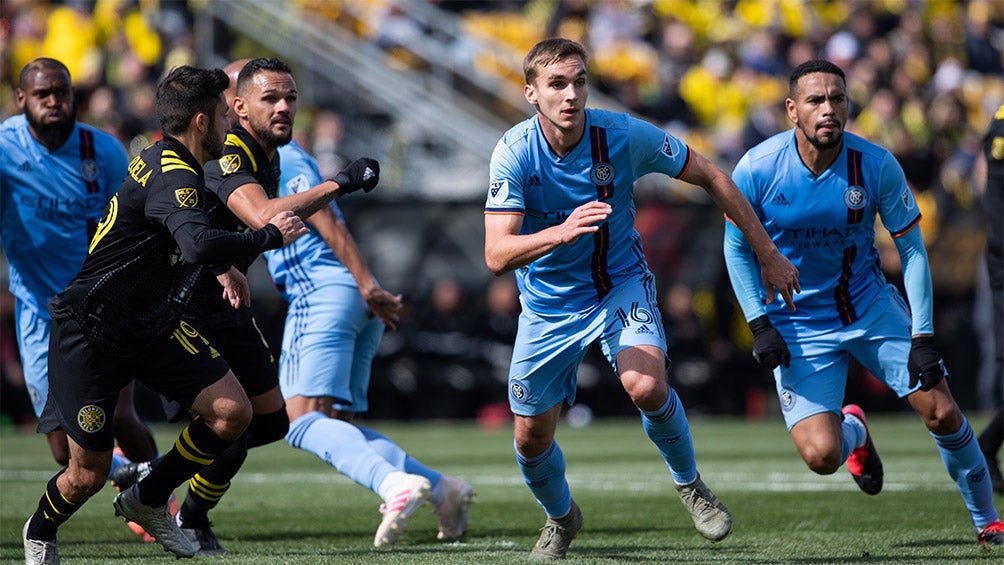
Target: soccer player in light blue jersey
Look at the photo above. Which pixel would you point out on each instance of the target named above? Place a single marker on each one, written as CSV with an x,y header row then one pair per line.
x,y
337,314
817,190
56,176
560,212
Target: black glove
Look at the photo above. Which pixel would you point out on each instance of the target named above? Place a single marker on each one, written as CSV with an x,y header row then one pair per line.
x,y
362,173
769,348
925,364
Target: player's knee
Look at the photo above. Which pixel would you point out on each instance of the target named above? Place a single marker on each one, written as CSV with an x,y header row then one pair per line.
x,y
231,418
821,461
84,481
266,428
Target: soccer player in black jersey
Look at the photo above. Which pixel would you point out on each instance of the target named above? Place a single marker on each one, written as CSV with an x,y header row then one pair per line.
x,y
120,318
241,191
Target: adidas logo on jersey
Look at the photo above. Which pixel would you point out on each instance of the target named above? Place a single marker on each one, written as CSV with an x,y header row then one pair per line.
x,y
534,180
26,166
643,329
780,200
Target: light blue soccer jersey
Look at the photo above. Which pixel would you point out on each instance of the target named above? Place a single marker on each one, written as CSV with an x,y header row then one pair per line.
x,y
825,225
297,267
50,204
528,178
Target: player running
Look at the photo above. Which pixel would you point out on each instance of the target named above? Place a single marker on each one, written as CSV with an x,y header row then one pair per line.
x,y
817,191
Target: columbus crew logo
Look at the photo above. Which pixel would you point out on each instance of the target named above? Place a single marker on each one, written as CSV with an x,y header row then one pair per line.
x,y
91,418
230,163
855,197
602,173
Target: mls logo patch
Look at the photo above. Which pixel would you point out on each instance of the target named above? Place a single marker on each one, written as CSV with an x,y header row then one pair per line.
x,y
230,164
602,174
297,184
89,169
498,189
91,418
187,197
667,147
855,197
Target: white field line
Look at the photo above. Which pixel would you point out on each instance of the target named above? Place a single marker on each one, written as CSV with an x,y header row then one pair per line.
x,y
721,482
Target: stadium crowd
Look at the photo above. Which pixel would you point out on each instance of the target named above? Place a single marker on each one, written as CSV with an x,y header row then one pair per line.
x,y
924,78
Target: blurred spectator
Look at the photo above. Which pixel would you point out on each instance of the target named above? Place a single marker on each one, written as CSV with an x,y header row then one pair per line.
x,y
326,142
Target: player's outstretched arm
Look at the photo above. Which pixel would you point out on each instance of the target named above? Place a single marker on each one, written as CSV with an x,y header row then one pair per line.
x,y
251,204
777,272
383,304
506,249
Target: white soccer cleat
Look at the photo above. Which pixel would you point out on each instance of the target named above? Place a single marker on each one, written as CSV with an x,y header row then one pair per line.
x,y
453,508
711,518
409,496
38,552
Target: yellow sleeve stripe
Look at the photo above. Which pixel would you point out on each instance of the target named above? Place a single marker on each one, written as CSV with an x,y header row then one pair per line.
x,y
235,141
168,168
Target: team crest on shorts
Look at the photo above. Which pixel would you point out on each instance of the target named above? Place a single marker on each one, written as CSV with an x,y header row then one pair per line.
x,y
787,399
517,391
91,418
89,169
602,173
855,197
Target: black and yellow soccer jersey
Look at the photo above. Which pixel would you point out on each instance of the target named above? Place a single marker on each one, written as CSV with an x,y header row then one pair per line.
x,y
243,162
136,278
993,147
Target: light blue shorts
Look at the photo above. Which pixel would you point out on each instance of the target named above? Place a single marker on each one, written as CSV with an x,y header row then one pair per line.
x,y
328,346
549,347
817,376
33,343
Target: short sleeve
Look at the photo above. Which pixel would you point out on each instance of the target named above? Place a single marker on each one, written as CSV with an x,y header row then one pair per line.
x,y
897,206
505,183
656,151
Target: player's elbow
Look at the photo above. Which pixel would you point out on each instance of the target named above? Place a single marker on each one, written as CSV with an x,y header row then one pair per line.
x,y
496,265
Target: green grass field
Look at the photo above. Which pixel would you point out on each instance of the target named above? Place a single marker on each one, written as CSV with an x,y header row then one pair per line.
x,y
288,507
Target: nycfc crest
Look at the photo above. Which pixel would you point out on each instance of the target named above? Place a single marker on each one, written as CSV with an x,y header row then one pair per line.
x,y
91,418
602,173
89,169
787,399
855,197
518,392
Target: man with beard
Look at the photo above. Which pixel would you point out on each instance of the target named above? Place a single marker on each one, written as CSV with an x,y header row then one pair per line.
x,y
120,318
242,189
817,190
56,175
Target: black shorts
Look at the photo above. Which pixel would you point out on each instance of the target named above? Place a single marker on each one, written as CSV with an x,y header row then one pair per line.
x,y
242,344
84,384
